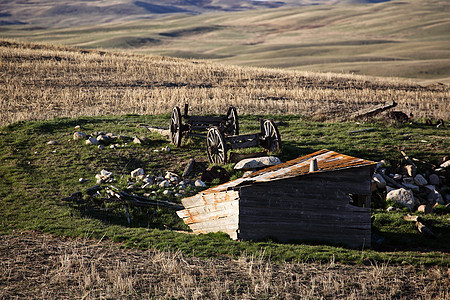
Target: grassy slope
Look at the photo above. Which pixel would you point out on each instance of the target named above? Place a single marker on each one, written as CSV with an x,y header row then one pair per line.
x,y
398,38
34,177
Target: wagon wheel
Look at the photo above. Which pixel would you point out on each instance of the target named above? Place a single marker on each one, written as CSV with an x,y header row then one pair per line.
x,y
175,126
232,123
216,146
271,136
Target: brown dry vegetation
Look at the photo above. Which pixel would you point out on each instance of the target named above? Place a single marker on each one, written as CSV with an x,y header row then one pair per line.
x,y
42,82
41,266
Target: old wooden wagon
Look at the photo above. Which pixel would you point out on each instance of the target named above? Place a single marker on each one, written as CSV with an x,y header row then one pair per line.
x,y
291,202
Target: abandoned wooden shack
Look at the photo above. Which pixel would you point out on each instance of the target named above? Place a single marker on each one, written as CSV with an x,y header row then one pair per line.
x,y
323,196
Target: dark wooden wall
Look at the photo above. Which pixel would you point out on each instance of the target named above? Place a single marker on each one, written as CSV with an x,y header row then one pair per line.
x,y
313,207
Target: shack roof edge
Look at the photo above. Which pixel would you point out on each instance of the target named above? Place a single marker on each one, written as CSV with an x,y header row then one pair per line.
x,y
327,161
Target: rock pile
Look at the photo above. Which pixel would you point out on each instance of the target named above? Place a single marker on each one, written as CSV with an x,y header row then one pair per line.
x,y
102,139
408,186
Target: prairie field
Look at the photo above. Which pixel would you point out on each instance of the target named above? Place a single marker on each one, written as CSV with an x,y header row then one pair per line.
x,y
42,82
407,39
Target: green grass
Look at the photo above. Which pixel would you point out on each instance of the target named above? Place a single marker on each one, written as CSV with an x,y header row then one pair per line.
x,y
35,177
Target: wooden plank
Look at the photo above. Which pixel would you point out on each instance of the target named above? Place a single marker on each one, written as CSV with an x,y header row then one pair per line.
x,y
352,240
248,144
204,119
268,216
209,212
206,199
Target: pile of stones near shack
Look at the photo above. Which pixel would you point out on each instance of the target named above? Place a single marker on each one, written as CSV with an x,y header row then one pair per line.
x,y
418,189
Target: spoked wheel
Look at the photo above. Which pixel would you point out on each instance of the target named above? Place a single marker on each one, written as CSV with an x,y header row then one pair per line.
x,y
216,146
232,123
175,126
271,138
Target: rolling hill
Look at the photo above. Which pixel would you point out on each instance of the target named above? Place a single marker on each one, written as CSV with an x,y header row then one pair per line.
x,y
407,39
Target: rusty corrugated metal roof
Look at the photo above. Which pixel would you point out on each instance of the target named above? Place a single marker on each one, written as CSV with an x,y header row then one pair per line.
x,y
327,161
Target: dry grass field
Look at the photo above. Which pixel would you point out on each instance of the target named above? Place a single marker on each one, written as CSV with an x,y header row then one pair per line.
x,y
44,267
43,82
407,39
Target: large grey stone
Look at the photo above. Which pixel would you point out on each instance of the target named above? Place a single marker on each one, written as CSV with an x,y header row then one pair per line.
x,y
92,141
434,179
420,180
79,136
256,163
402,197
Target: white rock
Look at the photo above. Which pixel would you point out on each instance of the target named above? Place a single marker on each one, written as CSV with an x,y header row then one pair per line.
x,y
164,184
77,127
379,180
137,172
159,179
79,136
103,138
52,143
199,183
434,179
112,146
420,180
147,185
397,177
167,192
136,140
256,163
169,175
181,186
106,173
402,197
413,187
148,179
82,180
178,195
92,141
445,164
391,208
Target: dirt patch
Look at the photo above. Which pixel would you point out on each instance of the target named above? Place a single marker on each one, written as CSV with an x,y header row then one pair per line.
x,y
39,266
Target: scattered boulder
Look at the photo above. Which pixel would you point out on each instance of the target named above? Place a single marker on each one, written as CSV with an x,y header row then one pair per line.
x,y
434,179
164,183
413,187
137,140
92,141
52,143
426,209
435,197
257,163
82,180
420,180
379,180
215,172
137,172
79,136
402,197
199,183
103,138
